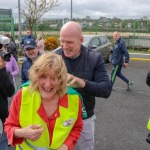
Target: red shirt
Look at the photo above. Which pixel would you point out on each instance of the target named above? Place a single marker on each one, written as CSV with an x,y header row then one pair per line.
x,y
12,122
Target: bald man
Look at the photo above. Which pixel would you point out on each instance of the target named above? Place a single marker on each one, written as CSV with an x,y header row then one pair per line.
x,y
86,74
120,58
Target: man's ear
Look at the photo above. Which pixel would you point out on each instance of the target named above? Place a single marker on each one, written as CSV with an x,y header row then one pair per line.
x,y
82,39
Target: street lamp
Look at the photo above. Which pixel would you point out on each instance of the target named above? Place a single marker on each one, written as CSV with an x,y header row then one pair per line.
x,y
20,36
71,11
35,17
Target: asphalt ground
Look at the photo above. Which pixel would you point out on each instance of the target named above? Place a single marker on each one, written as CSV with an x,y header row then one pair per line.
x,y
122,118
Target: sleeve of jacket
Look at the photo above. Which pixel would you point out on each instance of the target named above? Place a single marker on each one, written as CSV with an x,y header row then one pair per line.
x,y
125,51
148,79
22,42
15,67
101,85
12,121
6,86
10,48
33,37
23,78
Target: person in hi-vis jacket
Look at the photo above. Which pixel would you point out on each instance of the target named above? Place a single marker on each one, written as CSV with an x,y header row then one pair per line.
x,y
44,115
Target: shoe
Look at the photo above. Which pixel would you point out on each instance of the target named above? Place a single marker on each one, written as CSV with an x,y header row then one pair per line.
x,y
129,85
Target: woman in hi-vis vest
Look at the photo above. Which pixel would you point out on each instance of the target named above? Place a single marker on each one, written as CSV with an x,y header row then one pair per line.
x,y
45,115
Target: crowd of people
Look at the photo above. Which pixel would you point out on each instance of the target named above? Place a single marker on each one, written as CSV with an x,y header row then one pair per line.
x,y
54,108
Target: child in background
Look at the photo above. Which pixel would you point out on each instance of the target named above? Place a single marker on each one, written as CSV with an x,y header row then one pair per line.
x,y
40,43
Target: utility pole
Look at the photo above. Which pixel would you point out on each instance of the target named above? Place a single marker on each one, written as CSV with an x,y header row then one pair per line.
x,y
20,36
35,19
71,11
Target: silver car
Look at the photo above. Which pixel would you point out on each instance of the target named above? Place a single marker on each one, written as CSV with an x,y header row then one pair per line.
x,y
101,44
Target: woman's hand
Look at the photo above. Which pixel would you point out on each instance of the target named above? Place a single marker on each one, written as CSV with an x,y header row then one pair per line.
x,y
32,132
63,147
2,63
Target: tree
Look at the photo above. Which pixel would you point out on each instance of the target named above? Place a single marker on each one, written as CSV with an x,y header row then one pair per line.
x,y
35,9
124,24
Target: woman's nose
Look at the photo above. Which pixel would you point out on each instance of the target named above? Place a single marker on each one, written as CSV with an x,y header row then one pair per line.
x,y
48,82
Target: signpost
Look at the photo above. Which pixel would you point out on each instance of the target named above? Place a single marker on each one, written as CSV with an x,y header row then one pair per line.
x,y
7,19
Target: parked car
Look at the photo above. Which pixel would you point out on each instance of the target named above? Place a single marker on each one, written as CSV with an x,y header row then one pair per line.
x,y
101,44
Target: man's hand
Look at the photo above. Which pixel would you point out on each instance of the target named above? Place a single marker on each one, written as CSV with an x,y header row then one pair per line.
x,y
125,65
2,63
75,82
32,132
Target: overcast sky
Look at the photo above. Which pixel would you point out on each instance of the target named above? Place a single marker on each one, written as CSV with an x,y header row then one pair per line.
x,y
92,8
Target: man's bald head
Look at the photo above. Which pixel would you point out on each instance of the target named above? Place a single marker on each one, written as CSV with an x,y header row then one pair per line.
x,y
71,39
116,36
72,28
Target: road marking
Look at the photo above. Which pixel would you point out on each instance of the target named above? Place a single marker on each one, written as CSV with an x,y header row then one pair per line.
x,y
139,54
140,59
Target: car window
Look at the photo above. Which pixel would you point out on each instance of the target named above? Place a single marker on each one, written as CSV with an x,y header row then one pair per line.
x,y
103,40
86,39
95,42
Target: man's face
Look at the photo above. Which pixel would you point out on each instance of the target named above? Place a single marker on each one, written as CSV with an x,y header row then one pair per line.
x,y
28,33
70,44
31,53
116,37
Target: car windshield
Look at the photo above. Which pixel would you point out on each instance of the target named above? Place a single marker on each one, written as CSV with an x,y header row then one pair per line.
x,y
86,39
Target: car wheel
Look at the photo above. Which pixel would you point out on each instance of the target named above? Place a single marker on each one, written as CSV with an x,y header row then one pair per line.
x,y
109,57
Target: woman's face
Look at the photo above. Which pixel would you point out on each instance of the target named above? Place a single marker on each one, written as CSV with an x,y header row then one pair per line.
x,y
4,48
48,85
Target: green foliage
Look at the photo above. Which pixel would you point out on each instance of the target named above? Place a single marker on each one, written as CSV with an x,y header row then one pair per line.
x,y
148,51
139,51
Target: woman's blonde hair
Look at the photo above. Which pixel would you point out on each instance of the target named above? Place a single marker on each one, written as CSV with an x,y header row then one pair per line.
x,y
45,62
39,37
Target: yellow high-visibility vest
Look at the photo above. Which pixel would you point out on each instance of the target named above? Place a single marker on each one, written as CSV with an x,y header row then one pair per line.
x,y
30,104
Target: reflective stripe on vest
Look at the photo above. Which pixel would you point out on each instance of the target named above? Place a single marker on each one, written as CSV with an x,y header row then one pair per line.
x,y
148,124
28,115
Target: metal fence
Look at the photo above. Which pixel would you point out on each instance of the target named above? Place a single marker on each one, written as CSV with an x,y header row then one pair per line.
x,y
135,30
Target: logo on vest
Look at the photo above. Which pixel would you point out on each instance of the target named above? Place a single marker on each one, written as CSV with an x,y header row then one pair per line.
x,y
68,122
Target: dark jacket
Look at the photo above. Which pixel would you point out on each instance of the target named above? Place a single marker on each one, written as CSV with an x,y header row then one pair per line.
x,y
119,53
24,70
27,63
89,65
25,38
148,79
12,49
6,90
